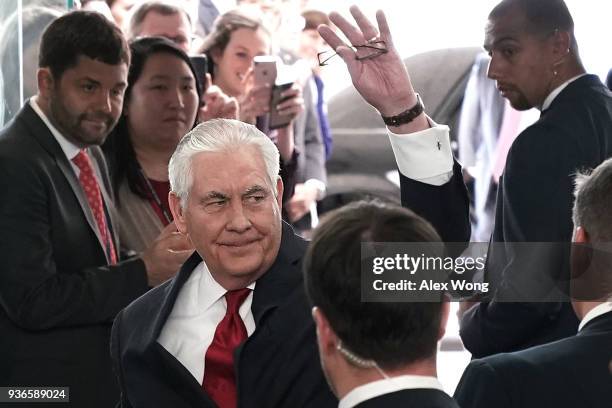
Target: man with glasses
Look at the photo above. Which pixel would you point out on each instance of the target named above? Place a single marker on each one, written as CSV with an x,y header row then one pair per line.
x,y
535,62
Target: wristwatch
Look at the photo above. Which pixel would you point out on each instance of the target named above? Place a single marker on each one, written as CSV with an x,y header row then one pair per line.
x,y
406,116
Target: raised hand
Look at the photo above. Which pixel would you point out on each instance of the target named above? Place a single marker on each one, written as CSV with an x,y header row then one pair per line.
x,y
217,104
382,80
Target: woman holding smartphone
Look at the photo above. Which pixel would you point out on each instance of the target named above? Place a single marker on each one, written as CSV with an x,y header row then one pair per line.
x,y
161,104
234,42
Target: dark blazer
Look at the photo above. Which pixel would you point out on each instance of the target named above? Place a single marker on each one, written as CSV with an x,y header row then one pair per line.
x,y
420,397
57,296
277,366
534,204
573,372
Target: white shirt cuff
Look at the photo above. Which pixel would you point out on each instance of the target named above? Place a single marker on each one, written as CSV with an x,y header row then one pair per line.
x,y
424,156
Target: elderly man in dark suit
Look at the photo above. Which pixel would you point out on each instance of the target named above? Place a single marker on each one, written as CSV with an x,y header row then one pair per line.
x,y
535,62
576,371
375,354
62,278
234,327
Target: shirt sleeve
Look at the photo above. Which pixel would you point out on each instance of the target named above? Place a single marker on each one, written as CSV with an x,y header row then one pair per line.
x,y
424,156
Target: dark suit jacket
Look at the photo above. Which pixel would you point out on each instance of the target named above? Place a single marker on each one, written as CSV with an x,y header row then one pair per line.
x,y
420,397
533,205
573,372
277,366
57,296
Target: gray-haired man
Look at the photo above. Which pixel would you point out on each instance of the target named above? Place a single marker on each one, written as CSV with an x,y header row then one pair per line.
x,y
234,327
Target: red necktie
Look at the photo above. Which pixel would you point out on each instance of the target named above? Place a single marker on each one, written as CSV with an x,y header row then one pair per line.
x,y
219,378
94,198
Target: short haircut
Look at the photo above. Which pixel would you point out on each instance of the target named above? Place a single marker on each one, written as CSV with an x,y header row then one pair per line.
x,y
81,33
141,11
225,25
35,20
118,146
219,135
593,194
391,333
314,18
543,16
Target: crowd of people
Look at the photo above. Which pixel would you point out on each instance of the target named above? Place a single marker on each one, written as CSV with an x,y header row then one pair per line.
x,y
151,219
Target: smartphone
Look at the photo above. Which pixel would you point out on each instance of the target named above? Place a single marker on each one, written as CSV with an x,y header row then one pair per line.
x,y
264,70
200,65
277,120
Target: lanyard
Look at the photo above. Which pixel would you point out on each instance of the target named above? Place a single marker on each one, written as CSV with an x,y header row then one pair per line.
x,y
155,196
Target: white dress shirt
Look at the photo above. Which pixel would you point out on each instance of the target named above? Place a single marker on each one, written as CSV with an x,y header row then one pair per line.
x,y
69,148
426,156
596,312
388,385
199,308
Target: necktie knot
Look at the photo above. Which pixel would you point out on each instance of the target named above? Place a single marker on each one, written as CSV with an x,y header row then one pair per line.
x,y
81,160
235,298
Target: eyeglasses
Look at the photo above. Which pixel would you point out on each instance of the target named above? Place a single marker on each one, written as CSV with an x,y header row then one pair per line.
x,y
370,50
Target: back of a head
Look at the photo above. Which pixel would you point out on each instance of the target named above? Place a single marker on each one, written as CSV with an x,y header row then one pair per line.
x,y
81,33
34,20
543,17
314,18
391,334
592,258
593,195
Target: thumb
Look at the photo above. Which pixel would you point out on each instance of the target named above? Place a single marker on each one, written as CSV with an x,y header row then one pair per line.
x,y
207,81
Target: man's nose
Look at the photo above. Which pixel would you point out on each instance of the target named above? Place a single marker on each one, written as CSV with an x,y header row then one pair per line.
x,y
494,70
104,102
238,218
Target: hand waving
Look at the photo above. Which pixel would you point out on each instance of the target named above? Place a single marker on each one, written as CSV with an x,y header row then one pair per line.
x,y
382,80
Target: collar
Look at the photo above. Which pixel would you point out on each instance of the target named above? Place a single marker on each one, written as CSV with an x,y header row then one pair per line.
x,y
199,293
274,286
596,312
388,385
69,148
551,97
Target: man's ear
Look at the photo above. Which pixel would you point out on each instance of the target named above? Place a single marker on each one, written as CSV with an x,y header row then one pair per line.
x,y
444,312
177,212
325,334
279,191
581,236
562,42
45,82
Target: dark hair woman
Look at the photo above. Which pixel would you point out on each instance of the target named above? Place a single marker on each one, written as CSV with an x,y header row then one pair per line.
x,y
160,106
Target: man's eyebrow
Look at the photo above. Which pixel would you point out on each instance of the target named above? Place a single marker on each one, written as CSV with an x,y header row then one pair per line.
x,y
255,189
215,195
90,79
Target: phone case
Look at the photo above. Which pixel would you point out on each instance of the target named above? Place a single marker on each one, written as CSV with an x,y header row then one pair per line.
x,y
278,121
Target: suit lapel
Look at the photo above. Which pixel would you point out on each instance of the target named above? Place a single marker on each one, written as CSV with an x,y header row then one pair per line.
x,y
169,368
42,134
278,282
